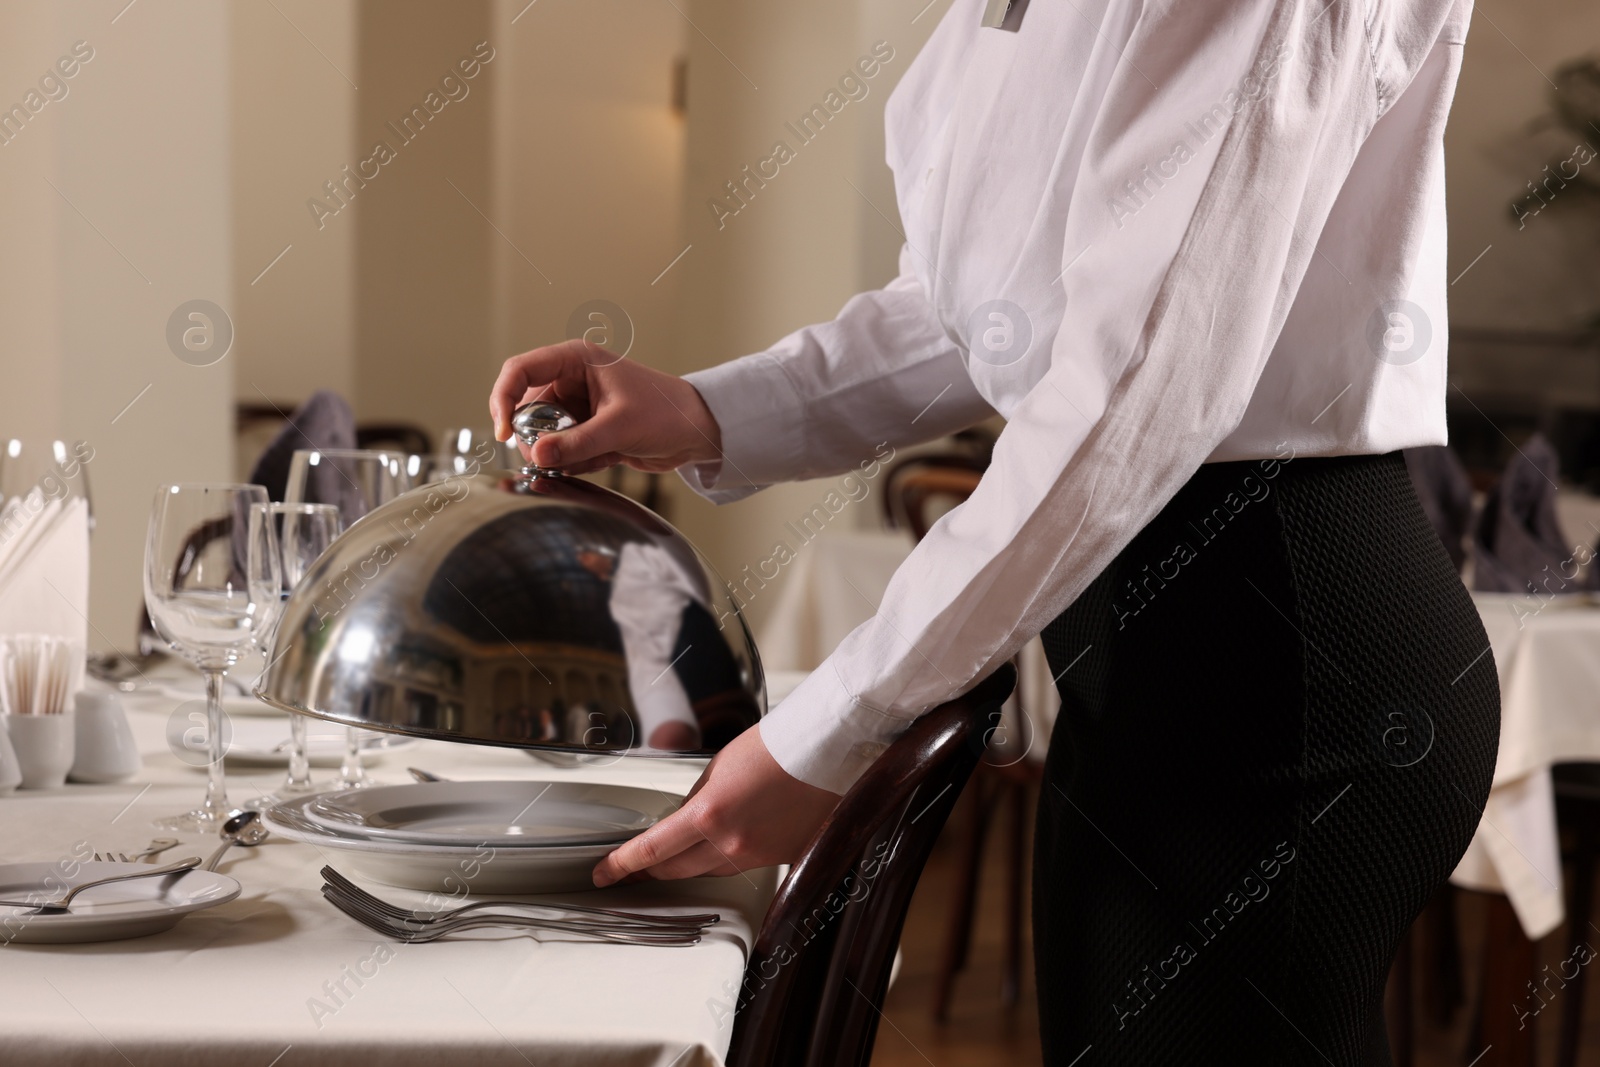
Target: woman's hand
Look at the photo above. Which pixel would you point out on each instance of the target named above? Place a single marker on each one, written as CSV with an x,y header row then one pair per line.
x,y
744,812
627,413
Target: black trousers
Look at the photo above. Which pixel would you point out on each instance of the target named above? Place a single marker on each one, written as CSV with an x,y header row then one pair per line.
x,y
1277,736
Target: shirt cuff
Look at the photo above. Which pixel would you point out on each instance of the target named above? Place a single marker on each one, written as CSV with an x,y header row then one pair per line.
x,y
761,417
823,736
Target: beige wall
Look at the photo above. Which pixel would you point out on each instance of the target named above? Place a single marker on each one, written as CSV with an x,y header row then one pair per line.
x,y
31,39
805,243
1540,276
294,126
423,293
565,156
589,163
91,284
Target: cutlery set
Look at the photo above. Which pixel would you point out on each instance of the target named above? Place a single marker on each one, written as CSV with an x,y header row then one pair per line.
x,y
593,924
568,921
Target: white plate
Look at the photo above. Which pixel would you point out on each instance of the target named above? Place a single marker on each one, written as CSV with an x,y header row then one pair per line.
x,y
513,814
477,869
264,742
113,912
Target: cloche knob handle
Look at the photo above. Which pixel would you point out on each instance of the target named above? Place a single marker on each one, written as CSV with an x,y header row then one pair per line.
x,y
535,419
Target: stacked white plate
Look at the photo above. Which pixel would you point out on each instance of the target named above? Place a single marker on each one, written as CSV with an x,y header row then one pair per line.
x,y
498,837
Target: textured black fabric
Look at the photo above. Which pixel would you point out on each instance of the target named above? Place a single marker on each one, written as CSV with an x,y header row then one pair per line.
x,y
1277,736
1445,493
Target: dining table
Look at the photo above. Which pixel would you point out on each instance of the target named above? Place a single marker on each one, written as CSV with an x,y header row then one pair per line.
x,y
1546,652
280,978
835,584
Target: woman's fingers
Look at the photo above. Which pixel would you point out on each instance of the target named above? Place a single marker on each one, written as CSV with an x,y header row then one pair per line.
x,y
675,834
562,366
692,862
625,412
571,449
746,812
598,463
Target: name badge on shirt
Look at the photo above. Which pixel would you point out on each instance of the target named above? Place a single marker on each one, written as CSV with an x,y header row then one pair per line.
x,y
1004,14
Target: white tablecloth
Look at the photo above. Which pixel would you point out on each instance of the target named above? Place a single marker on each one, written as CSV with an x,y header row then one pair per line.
x,y
1548,659
239,984
836,584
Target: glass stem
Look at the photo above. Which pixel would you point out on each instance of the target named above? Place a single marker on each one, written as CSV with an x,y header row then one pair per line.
x,y
216,803
299,780
351,773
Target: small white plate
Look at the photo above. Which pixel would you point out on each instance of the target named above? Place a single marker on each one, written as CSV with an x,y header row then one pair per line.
x,y
483,870
264,742
113,912
512,814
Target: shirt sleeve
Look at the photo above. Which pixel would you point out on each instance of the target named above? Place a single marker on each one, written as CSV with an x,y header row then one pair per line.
x,y
1180,272
824,398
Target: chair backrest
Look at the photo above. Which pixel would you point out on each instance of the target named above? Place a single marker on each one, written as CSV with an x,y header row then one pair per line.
x,y
969,450
816,978
395,437
911,488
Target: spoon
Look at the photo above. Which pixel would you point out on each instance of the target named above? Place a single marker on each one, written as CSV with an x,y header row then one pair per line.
x,y
242,830
425,776
61,904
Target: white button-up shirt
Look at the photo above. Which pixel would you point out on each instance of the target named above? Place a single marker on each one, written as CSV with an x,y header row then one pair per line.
x,y
1150,235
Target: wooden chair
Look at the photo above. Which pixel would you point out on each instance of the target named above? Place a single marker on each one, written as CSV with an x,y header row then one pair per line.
x,y
394,437
912,488
1577,788
912,484
818,972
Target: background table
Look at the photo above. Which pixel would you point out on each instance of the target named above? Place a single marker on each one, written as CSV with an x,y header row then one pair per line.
x,y
1548,659
240,984
836,584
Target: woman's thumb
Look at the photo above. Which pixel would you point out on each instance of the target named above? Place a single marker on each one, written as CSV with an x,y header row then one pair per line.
x,y
570,447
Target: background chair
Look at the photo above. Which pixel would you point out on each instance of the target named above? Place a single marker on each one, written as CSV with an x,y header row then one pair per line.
x,y
1577,787
919,490
394,437
817,974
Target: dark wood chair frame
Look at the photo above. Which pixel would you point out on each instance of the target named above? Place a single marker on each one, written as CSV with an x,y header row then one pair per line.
x,y
817,975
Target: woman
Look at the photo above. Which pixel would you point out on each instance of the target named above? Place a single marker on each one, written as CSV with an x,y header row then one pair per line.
x,y
1194,253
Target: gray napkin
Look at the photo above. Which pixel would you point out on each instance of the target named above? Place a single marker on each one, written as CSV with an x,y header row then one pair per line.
x,y
1517,542
1446,495
323,421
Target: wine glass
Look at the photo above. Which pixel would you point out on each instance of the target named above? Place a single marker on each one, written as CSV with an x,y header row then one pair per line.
x,y
212,573
304,532
355,481
59,470
466,448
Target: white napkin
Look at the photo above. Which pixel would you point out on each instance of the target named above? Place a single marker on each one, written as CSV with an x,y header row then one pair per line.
x,y
44,567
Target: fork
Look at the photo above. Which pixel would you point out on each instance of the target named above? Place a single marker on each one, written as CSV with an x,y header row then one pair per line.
x,y
383,907
366,904
444,927
154,848
56,907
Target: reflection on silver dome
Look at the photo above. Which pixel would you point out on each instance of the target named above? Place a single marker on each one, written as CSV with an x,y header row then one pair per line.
x,y
531,610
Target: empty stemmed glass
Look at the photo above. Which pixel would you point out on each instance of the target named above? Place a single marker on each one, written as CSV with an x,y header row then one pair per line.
x,y
355,481
304,532
212,574
54,468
